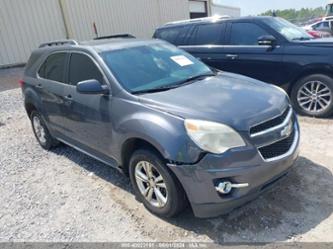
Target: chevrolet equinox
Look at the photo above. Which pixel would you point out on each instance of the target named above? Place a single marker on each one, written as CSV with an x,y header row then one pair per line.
x,y
183,132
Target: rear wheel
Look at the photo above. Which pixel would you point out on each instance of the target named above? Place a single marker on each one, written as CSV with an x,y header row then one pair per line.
x,y
41,132
154,185
313,96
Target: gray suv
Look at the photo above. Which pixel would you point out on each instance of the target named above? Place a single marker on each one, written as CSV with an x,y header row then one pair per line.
x,y
183,132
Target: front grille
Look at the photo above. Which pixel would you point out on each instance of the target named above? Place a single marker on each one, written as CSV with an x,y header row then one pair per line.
x,y
270,123
277,149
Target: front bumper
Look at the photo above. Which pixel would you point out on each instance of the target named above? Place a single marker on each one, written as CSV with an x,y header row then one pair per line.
x,y
243,165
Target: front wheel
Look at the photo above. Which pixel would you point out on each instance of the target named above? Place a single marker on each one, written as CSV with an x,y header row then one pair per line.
x,y
313,96
154,185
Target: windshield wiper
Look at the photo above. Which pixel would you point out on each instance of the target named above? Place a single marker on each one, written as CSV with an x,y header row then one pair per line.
x,y
154,90
301,39
193,78
174,85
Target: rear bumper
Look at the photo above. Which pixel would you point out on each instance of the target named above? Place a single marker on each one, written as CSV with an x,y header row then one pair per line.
x,y
237,166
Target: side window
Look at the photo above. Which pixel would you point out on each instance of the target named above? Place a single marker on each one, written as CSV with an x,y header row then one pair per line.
x,y
81,68
321,25
54,67
325,25
181,39
315,26
208,34
246,34
172,35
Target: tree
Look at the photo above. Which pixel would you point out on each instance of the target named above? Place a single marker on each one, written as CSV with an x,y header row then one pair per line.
x,y
297,16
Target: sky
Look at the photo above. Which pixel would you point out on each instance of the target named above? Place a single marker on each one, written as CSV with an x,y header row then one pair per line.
x,y
254,7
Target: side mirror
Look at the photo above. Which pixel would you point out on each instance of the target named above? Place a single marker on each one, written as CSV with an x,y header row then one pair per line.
x,y
91,87
267,40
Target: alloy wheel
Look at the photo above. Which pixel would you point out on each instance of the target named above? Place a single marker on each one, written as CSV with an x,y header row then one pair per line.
x,y
314,97
151,184
39,130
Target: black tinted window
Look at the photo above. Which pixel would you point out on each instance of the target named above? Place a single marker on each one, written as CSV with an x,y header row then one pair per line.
x,y
172,35
83,68
207,34
246,34
54,67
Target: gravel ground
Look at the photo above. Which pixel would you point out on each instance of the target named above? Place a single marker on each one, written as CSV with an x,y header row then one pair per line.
x,y
9,78
63,195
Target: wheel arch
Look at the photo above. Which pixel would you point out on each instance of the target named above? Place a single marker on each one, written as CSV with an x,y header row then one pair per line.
x,y
32,101
162,132
29,108
133,144
318,69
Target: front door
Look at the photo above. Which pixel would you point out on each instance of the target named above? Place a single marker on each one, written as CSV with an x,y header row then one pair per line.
x,y
87,116
243,55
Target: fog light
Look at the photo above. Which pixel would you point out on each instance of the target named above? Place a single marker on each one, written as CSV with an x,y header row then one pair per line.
x,y
226,187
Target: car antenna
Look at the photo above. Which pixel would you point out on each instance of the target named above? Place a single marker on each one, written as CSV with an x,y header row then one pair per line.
x,y
95,29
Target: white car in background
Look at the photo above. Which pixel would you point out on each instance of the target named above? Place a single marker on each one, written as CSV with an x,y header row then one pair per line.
x,y
320,28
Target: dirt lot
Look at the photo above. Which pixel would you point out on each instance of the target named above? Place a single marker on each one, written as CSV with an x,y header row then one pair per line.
x,y
63,195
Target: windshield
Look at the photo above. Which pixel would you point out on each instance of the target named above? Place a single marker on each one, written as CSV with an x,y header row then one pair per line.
x,y
154,66
290,31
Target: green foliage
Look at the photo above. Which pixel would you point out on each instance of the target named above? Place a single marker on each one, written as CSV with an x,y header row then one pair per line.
x,y
297,15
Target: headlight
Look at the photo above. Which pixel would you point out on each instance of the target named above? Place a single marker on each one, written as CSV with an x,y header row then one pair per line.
x,y
213,137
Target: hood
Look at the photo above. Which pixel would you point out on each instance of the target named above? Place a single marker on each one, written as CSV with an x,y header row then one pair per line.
x,y
231,99
321,42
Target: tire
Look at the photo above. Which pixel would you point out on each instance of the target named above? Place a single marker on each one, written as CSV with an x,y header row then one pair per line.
x,y
41,133
316,102
175,201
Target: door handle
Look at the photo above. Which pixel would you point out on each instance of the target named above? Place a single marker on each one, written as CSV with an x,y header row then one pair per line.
x,y
68,100
232,56
39,86
68,97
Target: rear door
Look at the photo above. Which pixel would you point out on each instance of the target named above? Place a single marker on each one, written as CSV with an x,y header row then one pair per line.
x,y
50,86
243,55
87,116
206,42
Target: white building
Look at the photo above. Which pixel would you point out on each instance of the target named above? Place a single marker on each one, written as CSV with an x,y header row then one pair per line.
x,y
24,24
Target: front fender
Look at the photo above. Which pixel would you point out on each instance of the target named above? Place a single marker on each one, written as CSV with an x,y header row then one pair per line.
x,y
164,131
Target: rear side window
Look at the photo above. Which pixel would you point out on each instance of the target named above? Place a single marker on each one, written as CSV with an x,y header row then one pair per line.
x,y
54,67
322,25
81,68
207,34
246,34
173,35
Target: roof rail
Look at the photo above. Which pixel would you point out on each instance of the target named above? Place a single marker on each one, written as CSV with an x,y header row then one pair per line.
x,y
115,36
211,18
58,43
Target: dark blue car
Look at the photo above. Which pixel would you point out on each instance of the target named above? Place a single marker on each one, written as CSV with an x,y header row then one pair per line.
x,y
269,49
183,132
